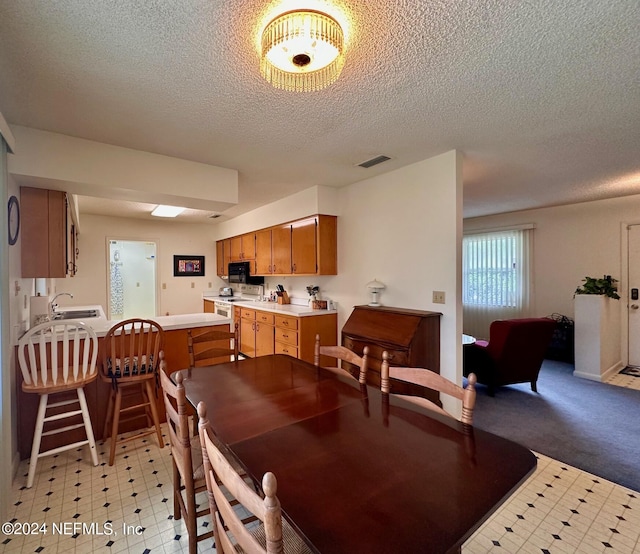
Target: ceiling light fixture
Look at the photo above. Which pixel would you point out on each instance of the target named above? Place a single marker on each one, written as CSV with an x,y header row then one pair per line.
x,y
302,51
167,211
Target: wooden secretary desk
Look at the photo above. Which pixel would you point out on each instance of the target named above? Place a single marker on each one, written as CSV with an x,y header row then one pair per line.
x,y
412,338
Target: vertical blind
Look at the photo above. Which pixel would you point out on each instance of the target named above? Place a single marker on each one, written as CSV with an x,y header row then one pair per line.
x,y
496,278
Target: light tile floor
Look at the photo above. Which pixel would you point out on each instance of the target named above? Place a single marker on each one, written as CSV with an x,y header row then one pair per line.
x,y
129,508
624,380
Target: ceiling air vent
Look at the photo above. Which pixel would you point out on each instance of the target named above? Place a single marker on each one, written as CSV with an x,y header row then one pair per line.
x,y
374,161
214,216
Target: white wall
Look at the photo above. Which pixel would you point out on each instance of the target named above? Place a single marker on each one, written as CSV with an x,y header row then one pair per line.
x,y
311,201
14,289
571,242
403,228
60,162
89,286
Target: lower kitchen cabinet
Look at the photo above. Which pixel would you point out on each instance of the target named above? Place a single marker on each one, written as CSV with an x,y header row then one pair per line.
x,y
256,335
263,332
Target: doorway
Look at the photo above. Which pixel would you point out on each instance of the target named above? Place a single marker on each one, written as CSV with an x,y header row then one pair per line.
x,y
132,279
633,288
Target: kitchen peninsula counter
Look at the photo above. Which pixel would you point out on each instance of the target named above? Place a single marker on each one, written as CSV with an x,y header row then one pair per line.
x,y
176,355
101,324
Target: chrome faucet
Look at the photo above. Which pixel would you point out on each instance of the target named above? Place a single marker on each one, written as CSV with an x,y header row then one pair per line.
x,y
53,305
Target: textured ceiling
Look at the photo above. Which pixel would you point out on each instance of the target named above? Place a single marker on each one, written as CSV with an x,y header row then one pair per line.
x,y
541,97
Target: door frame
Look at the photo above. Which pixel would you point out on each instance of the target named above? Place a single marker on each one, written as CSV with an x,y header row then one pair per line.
x,y
108,268
624,287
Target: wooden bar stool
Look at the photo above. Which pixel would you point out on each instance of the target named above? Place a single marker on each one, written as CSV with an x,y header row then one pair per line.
x,y
130,360
54,358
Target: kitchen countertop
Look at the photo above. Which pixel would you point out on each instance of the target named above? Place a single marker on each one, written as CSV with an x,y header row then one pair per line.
x,y
168,322
274,307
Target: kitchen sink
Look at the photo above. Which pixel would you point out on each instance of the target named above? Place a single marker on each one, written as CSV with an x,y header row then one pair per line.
x,y
76,314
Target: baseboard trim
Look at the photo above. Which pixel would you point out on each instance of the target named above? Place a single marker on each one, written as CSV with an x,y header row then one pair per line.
x,y
604,376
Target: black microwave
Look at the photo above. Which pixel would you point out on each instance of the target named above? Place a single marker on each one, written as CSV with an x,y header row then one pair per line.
x,y
240,272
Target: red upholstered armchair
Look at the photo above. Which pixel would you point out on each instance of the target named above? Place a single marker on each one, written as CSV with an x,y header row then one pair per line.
x,y
514,353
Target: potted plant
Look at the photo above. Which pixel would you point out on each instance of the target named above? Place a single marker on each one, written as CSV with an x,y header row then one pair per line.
x,y
605,286
597,328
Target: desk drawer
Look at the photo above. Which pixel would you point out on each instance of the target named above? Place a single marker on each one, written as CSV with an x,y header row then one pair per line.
x,y
287,336
398,357
264,317
287,322
283,348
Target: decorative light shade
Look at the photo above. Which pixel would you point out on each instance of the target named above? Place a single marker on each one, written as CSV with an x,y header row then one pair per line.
x,y
302,51
375,287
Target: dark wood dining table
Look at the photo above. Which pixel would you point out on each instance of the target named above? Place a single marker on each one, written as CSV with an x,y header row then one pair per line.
x,y
358,471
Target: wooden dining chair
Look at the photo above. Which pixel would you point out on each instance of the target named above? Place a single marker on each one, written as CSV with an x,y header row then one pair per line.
x,y
212,346
130,360
59,358
186,454
433,381
344,354
272,534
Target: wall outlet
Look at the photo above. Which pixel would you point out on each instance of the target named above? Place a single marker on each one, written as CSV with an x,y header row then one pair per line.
x,y
193,285
164,286
438,297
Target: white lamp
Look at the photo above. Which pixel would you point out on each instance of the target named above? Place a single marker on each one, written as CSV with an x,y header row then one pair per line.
x,y
375,287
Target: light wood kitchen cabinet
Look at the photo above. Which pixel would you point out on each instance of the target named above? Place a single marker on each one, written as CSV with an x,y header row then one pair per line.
x,y
304,247
286,337
281,250
223,257
264,265
263,332
256,335
48,243
243,249
273,251
209,306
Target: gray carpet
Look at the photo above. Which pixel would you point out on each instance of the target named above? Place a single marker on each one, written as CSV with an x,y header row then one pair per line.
x,y
589,425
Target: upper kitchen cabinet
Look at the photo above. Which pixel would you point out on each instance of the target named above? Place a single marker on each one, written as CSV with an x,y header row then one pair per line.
x,y
48,243
243,249
273,251
314,246
223,257
304,247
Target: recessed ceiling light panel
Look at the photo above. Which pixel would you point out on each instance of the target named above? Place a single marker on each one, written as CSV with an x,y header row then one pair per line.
x,y
167,211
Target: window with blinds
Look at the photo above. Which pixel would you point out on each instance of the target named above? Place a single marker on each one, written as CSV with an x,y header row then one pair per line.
x,y
496,279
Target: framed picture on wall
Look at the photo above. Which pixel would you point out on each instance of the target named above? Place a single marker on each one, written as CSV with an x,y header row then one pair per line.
x,y
188,266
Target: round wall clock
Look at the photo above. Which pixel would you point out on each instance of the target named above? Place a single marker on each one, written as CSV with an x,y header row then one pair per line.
x,y
14,220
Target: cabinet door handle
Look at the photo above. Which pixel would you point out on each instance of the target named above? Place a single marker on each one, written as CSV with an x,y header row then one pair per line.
x,y
285,336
